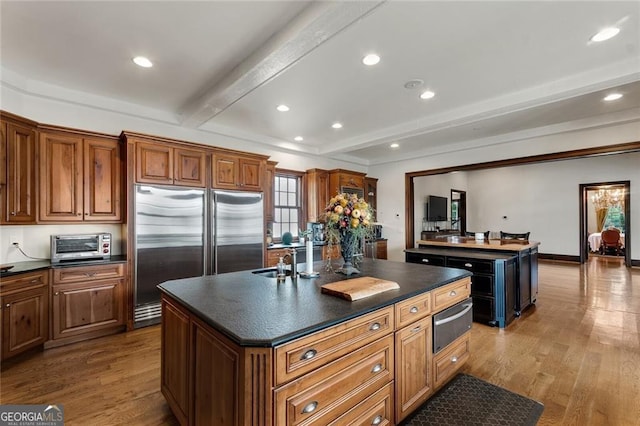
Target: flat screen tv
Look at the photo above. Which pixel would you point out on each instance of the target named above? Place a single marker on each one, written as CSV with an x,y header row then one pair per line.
x,y
436,208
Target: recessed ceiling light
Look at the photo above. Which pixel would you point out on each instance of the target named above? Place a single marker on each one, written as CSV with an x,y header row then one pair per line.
x,y
142,62
605,34
371,59
612,97
427,94
394,145
337,125
298,139
282,108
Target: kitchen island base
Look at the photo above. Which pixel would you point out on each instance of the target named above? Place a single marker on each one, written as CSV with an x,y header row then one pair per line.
x,y
374,368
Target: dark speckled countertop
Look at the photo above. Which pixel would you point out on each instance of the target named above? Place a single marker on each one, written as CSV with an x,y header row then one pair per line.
x,y
253,310
36,265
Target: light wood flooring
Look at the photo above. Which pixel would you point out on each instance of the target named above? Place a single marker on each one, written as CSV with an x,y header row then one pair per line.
x,y
577,351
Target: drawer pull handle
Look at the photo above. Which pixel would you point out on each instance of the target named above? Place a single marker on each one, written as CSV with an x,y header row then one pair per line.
x,y
90,274
454,359
468,265
376,368
375,326
467,307
425,260
453,293
308,354
377,420
415,329
310,407
413,310
56,293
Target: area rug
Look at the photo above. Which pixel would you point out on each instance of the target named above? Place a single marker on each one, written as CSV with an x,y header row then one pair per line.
x,y
467,401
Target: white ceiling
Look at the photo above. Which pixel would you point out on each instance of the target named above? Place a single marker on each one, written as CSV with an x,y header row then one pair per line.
x,y
501,70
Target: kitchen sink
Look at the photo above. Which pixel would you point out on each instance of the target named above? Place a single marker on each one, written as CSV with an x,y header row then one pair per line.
x,y
269,273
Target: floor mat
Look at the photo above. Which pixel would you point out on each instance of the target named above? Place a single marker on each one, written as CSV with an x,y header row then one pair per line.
x,y
467,400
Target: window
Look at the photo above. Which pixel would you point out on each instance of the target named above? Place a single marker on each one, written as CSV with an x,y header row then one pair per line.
x,y
615,218
287,203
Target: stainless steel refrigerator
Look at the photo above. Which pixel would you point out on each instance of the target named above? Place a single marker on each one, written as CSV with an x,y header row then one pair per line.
x,y
237,231
179,233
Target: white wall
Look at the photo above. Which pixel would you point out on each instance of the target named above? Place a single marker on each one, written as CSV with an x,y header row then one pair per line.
x,y
391,183
34,239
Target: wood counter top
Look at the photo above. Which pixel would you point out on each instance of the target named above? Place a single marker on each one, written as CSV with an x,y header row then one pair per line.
x,y
472,243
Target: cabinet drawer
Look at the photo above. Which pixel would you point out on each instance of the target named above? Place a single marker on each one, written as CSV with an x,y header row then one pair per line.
x,y
76,274
308,353
484,310
425,259
482,284
447,362
450,294
375,410
331,390
23,282
473,265
412,309
274,255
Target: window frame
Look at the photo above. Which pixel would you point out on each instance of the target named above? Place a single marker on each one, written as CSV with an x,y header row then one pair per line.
x,y
299,176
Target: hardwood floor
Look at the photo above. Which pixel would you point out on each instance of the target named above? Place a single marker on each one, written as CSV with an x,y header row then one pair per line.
x,y
577,351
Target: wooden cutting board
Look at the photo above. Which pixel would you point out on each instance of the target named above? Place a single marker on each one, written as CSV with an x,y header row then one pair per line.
x,y
358,288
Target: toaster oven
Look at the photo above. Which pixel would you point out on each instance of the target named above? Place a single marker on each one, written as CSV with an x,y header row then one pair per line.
x,y
80,247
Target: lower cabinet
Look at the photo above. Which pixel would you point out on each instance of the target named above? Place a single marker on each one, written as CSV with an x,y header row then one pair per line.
x,y
373,369
87,301
24,319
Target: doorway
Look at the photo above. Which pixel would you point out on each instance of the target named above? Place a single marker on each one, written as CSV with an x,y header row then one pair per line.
x,y
459,210
614,211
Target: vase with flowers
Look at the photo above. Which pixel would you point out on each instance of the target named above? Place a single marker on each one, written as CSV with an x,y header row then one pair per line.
x,y
348,223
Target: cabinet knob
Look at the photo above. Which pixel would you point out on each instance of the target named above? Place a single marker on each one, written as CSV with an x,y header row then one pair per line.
x,y
309,354
310,407
7,305
453,293
425,260
375,326
376,368
78,214
414,310
468,265
454,359
377,420
56,293
13,213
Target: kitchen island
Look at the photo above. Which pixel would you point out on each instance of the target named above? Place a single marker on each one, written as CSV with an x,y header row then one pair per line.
x,y
243,349
505,280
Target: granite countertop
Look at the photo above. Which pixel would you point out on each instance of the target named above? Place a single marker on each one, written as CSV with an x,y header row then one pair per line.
x,y
254,310
295,245
36,265
470,242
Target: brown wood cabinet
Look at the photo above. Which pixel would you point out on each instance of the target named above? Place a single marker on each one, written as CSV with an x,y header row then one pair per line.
x,y
238,172
80,177
18,171
372,369
24,319
371,194
317,190
169,164
269,206
341,180
274,255
87,301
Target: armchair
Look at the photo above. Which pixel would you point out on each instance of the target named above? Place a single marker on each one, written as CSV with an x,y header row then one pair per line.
x,y
610,242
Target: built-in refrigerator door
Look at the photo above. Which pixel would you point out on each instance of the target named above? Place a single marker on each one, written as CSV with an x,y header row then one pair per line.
x,y
238,231
169,244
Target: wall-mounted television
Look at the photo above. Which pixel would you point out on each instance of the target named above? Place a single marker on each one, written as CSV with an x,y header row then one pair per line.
x,y
436,208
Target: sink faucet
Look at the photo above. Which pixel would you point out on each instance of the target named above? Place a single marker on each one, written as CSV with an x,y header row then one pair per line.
x,y
293,260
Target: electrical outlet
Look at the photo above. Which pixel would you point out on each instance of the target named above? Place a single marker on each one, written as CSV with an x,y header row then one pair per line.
x,y
14,239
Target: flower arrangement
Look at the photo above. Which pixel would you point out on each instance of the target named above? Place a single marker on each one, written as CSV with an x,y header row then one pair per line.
x,y
348,223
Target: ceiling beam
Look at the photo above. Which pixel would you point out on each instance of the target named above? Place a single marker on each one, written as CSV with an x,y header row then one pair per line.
x,y
313,26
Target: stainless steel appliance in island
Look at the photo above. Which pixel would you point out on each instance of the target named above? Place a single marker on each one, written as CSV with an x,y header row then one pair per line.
x,y
190,232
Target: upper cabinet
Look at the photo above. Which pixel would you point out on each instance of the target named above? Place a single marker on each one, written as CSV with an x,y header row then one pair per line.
x,y
169,164
18,147
317,190
237,171
346,181
80,177
371,193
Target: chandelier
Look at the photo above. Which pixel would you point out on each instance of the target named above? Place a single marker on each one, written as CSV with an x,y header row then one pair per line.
x,y
605,198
